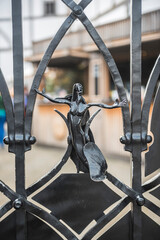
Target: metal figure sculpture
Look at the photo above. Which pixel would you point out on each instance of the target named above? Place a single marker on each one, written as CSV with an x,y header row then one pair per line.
x,y
85,154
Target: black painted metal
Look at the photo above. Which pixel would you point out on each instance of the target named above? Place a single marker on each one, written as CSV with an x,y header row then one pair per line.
x,y
80,188
135,78
75,198
152,160
86,156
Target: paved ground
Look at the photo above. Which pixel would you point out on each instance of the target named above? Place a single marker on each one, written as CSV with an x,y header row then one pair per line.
x,y
42,159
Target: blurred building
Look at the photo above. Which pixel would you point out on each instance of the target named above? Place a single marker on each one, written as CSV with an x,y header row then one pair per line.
x,y
77,59
41,20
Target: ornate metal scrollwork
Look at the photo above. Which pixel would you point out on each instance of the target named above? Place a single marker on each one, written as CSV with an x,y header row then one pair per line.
x,y
81,147
85,154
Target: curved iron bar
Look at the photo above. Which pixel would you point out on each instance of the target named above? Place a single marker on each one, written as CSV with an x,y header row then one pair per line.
x,y
51,174
8,192
41,181
45,178
5,208
151,206
67,124
84,3
88,123
43,64
49,218
32,208
56,169
152,162
102,221
148,186
107,57
124,188
8,107
149,94
64,118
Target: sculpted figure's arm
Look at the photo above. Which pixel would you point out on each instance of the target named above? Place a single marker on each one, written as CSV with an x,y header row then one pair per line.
x,y
116,104
54,100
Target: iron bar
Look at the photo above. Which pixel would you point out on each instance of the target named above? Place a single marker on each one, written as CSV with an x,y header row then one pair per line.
x,y
51,219
151,184
81,145
151,85
102,221
135,71
4,209
154,208
18,67
19,113
9,111
152,162
20,203
43,64
51,174
107,57
149,94
124,188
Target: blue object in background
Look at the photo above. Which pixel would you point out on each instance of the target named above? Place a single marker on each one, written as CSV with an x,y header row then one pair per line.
x,y
2,121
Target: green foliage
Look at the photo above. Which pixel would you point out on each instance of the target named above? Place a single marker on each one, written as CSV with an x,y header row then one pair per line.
x,y
63,79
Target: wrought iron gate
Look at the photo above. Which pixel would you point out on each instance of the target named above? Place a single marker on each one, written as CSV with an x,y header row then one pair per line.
x,y
75,195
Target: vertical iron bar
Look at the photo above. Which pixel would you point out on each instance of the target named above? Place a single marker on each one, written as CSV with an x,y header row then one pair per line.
x,y
18,66
135,67
19,113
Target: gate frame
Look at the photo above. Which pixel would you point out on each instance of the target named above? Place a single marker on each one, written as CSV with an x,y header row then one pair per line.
x,y
135,124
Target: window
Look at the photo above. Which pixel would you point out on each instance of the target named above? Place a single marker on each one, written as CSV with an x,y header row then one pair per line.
x,y
96,78
49,8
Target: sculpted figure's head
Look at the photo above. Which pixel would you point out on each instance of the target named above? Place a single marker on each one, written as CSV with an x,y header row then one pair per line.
x,y
77,91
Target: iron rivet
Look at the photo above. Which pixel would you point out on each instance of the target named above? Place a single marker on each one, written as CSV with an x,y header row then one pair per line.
x,y
32,140
77,10
123,139
149,139
6,140
17,204
140,201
